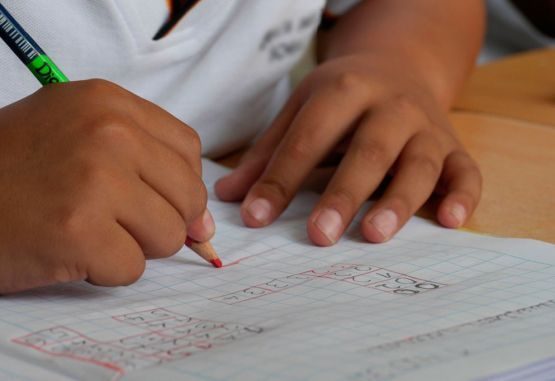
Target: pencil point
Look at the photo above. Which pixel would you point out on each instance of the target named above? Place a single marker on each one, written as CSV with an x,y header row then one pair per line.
x,y
205,251
217,263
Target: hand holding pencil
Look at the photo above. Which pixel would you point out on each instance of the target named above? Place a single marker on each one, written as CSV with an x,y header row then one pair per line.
x,y
94,181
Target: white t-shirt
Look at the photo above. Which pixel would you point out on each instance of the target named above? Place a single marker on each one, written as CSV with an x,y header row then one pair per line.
x,y
222,69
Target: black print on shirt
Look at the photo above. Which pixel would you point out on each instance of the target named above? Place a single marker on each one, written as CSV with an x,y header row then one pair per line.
x,y
288,38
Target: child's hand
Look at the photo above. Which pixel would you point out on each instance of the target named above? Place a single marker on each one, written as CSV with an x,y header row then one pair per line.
x,y
93,179
392,124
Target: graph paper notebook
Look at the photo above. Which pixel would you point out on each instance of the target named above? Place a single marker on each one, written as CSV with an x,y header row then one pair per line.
x,y
431,304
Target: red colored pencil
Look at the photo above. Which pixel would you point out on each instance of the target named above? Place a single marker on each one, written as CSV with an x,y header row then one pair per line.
x,y
205,251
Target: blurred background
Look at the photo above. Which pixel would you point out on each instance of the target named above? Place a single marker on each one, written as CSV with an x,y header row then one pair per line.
x,y
515,26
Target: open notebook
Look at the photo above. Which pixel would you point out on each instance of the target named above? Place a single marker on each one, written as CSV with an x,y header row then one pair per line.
x,y
431,304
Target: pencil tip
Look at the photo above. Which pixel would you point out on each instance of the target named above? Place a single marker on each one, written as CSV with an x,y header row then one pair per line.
x,y
217,263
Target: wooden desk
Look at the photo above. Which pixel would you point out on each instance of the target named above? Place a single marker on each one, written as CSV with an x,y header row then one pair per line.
x,y
521,87
517,160
506,118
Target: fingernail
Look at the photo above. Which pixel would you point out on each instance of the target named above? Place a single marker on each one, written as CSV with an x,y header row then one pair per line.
x,y
386,223
330,223
208,222
459,214
260,209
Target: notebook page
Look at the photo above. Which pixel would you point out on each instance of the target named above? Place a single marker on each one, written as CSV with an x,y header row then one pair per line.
x,y
429,303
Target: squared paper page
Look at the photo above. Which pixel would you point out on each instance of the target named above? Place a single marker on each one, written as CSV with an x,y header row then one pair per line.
x,y
430,303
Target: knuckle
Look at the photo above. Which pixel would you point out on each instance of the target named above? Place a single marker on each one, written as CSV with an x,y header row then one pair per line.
x,y
371,153
406,107
102,95
346,198
114,129
190,145
351,83
277,188
299,150
72,223
189,134
426,164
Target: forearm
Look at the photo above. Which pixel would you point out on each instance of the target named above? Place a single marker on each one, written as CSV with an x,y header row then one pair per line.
x,y
436,40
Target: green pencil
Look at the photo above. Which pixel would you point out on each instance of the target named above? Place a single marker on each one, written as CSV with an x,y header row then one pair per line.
x,y
28,51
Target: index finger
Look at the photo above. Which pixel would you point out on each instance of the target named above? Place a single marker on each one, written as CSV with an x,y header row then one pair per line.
x,y
320,124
